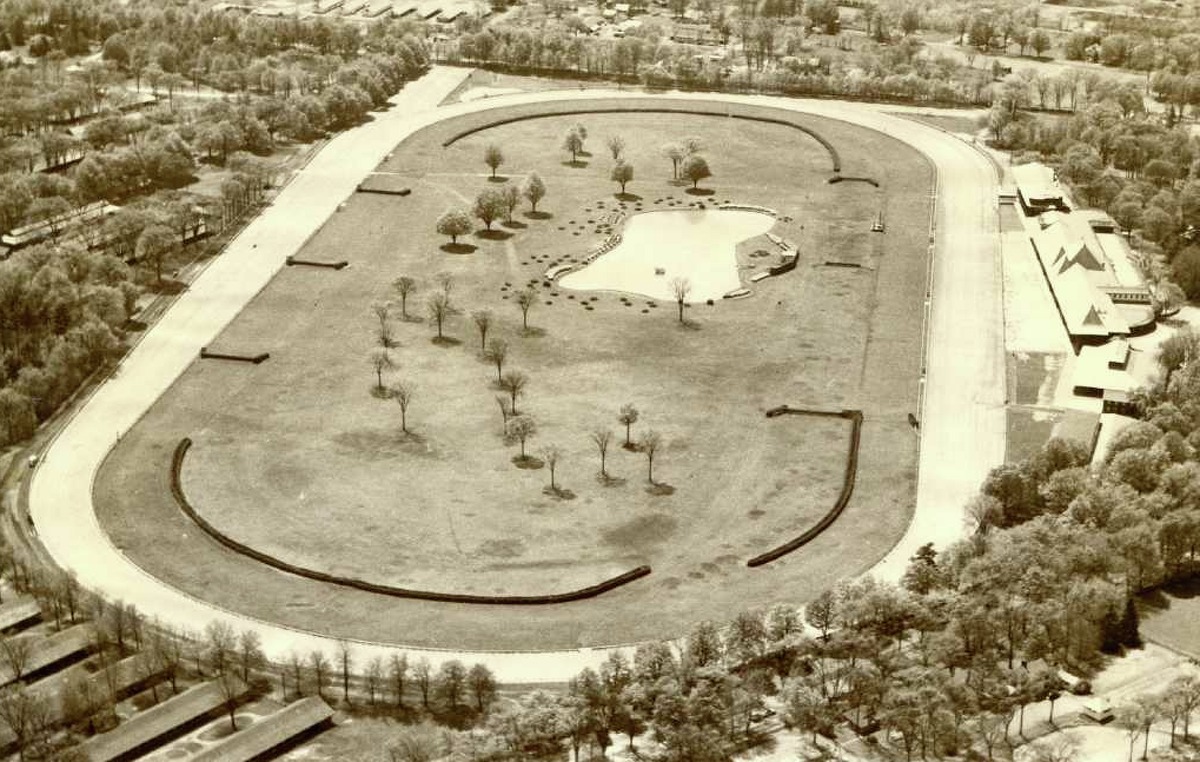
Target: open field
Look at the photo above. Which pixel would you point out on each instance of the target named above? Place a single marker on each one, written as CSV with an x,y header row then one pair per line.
x,y
1172,617
295,457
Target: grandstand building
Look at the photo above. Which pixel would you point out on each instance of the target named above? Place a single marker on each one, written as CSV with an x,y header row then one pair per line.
x,y
1099,291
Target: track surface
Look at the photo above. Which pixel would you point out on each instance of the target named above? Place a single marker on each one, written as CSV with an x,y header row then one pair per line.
x,y
962,420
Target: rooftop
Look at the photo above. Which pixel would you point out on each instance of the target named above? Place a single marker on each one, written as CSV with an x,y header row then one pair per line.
x,y
1091,273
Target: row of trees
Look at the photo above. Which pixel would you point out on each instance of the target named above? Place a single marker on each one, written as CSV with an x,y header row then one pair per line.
x,y
782,63
1116,157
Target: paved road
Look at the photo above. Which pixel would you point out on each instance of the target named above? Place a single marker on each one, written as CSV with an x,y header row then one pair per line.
x,y
964,432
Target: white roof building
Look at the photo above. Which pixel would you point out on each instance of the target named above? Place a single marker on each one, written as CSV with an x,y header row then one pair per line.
x,y
1037,188
1088,266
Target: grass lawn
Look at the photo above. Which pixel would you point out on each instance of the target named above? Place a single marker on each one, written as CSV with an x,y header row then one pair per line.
x,y
296,457
1171,616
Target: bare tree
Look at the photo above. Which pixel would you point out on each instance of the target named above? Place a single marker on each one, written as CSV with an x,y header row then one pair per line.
x,y
681,287
483,321
573,142
295,665
551,455
649,444
167,649
445,282
382,311
628,416
514,382
249,654
622,173
692,144
26,715
318,664
219,640
403,394
381,360
16,651
616,146
601,438
525,300
511,197
405,287
398,673
534,190
439,308
482,684
422,675
675,152
493,157
80,701
521,428
373,677
345,661
502,401
497,352
231,692
695,168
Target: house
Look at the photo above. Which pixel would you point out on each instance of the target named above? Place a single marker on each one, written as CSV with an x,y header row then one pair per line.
x,y
695,34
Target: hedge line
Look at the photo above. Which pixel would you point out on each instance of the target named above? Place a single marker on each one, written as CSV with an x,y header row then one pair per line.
x,y
371,587
847,179
856,418
294,262
636,106
261,357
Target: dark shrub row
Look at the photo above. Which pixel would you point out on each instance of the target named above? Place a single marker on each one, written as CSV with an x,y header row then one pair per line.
x,y
856,418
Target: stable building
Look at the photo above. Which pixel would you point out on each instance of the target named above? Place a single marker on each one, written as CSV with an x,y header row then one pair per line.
x,y
1038,190
1099,292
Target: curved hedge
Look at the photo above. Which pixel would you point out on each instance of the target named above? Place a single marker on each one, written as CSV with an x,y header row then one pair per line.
x,y
396,592
856,418
847,179
257,359
636,107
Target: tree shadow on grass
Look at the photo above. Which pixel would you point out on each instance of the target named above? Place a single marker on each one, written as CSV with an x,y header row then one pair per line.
x,y
445,341
514,224
527,462
691,325
700,191
494,235
575,164
458,248
558,493
498,179
412,319
380,392
660,489
533,332
627,196
608,480
539,215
